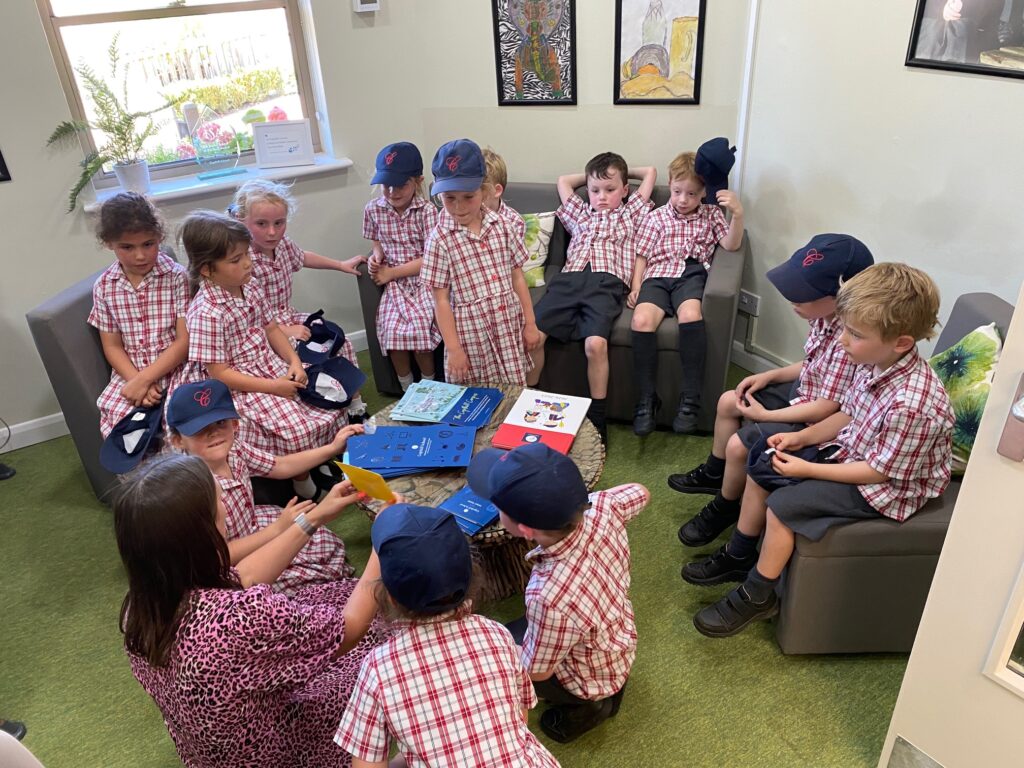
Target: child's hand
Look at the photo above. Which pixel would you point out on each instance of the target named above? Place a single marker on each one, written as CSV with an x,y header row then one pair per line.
x,y
396,498
340,496
153,396
531,336
284,387
753,410
458,365
136,389
728,200
750,385
791,466
297,373
786,441
297,331
290,512
381,275
341,439
951,11
372,265
632,297
351,266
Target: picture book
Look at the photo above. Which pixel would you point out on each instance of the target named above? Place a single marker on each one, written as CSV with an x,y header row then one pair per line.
x,y
438,402
542,417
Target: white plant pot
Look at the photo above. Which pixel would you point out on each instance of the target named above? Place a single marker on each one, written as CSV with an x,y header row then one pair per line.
x,y
133,177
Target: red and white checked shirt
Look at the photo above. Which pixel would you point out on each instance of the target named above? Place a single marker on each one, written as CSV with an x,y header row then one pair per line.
x,y
401,235
146,317
602,239
667,239
513,218
579,616
274,275
902,427
827,372
451,693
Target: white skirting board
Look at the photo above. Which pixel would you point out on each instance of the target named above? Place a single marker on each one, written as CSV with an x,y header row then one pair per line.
x,y
45,428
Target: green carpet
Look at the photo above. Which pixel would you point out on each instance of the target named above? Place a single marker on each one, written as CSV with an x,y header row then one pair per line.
x,y
691,701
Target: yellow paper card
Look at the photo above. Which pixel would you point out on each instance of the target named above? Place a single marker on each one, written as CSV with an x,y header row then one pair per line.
x,y
370,483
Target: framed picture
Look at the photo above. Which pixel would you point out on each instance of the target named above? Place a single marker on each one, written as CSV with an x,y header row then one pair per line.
x,y
5,175
983,37
282,142
535,52
659,45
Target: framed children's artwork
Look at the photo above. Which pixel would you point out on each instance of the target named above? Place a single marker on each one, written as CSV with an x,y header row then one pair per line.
x,y
5,175
983,37
659,45
535,52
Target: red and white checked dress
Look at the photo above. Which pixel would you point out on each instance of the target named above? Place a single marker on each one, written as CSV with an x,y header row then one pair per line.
x,y
405,316
321,560
225,329
451,693
145,317
667,238
579,616
274,275
902,426
488,316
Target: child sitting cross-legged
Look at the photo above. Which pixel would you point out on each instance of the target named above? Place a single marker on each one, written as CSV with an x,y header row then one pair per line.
x,y
579,641
203,421
885,452
448,686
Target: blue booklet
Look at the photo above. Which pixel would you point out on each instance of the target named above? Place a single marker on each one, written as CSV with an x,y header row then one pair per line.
x,y
471,512
438,402
407,448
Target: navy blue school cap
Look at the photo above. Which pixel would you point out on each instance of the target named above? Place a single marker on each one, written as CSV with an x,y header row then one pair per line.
x,y
326,337
458,167
128,441
715,158
397,163
195,406
425,562
533,484
820,267
332,384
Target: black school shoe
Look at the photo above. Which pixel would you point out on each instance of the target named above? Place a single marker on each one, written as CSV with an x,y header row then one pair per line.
x,y
685,422
697,480
14,728
645,415
720,568
565,723
707,525
733,613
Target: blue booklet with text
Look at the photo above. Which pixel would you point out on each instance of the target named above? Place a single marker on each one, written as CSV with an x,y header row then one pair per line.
x,y
421,447
438,402
471,512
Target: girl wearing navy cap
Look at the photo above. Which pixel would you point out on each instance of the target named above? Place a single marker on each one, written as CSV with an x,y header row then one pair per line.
x,y
473,262
448,686
397,223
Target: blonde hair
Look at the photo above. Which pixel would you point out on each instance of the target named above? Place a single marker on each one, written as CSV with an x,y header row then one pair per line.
x,y
683,168
496,171
261,191
891,299
421,190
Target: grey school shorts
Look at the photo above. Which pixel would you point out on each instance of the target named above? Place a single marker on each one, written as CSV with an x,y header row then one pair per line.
x,y
773,397
811,507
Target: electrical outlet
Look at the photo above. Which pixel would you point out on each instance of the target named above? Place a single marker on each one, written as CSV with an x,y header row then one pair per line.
x,y
750,303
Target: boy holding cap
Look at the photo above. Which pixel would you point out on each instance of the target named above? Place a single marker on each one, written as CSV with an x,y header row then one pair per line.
x,y
584,299
779,400
473,263
580,637
415,688
892,438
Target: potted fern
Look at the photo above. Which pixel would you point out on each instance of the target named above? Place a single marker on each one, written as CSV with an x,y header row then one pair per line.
x,y
126,131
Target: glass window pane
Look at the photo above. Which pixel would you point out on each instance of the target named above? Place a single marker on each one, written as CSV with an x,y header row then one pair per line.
x,y
235,67
83,7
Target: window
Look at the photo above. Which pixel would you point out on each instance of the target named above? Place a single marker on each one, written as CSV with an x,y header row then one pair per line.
x,y
226,64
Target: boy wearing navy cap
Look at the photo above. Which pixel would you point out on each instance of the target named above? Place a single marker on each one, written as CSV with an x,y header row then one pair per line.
x,y
884,453
584,299
580,638
414,688
782,399
674,248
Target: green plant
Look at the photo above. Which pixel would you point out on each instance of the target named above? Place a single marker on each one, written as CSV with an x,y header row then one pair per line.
x,y
125,130
236,92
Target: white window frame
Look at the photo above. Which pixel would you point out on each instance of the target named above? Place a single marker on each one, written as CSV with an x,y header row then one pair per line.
x,y
997,665
65,67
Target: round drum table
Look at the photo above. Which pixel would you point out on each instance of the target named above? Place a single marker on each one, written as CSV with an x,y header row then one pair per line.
x,y
501,556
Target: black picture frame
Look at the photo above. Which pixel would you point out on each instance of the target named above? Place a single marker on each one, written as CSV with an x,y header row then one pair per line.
x,y
5,175
524,87
649,55
964,44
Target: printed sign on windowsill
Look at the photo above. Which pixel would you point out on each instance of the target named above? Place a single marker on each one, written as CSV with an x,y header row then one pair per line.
x,y
280,143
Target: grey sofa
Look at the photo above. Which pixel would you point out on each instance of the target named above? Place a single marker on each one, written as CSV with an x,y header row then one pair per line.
x,y
862,588
565,368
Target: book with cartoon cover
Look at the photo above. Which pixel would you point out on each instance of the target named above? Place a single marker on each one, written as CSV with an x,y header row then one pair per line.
x,y
542,417
438,402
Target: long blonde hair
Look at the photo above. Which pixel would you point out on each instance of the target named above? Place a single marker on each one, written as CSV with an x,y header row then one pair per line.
x,y
261,191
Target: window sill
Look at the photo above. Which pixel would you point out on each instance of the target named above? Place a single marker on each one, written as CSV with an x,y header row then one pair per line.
x,y
188,187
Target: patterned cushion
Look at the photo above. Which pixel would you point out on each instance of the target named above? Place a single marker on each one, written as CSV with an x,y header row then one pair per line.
x,y
966,371
538,235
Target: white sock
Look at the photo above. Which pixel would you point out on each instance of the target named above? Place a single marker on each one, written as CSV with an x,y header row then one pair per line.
x,y
406,381
304,488
427,378
357,406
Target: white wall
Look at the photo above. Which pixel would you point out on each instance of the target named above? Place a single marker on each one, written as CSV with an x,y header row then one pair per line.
x,y
924,166
418,71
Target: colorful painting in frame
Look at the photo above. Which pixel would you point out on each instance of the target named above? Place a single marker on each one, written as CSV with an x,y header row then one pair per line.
x,y
659,45
535,51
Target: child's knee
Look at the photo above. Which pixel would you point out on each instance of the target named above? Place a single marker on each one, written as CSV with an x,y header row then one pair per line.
x,y
689,312
596,346
727,404
735,449
645,322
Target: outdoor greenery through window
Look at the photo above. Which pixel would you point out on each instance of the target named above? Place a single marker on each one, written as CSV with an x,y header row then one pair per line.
x,y
222,65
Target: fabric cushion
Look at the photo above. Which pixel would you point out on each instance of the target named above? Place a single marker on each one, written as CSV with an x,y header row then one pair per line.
x,y
539,227
966,370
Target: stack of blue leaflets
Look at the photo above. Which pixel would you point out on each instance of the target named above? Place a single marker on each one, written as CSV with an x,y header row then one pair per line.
x,y
394,451
435,402
471,512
